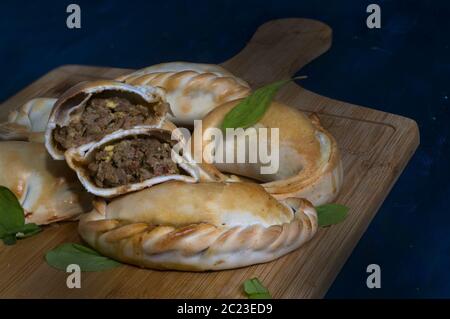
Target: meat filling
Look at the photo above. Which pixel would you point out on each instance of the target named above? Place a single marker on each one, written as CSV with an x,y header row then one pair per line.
x,y
102,116
131,161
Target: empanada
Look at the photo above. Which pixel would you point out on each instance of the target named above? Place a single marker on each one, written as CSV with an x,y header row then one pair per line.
x,y
309,161
48,190
193,89
129,160
29,122
90,110
198,227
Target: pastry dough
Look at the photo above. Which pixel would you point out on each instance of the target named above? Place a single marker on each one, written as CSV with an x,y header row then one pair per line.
x,y
47,190
309,162
189,171
198,227
193,89
70,107
28,123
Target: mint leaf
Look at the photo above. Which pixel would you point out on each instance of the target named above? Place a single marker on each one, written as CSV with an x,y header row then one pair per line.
x,y
251,109
331,214
255,289
85,257
11,213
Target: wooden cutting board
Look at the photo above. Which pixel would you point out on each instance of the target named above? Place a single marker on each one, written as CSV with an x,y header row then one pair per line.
x,y
376,147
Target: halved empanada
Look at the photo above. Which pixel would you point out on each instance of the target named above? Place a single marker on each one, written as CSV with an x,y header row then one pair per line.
x,y
193,89
130,160
48,190
90,110
198,227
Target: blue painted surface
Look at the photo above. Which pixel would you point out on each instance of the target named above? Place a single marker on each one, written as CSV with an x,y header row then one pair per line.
x,y
403,68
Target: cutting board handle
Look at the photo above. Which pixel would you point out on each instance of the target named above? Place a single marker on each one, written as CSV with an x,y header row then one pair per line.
x,y
279,48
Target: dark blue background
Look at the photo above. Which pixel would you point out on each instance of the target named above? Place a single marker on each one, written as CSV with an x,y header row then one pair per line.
x,y
402,68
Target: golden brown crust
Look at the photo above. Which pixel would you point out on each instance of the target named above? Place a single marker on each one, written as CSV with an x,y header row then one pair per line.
x,y
259,229
192,89
310,165
47,190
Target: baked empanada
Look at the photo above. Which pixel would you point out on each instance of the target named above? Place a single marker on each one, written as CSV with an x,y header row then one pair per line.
x,y
129,160
48,190
309,161
90,110
198,227
193,89
29,122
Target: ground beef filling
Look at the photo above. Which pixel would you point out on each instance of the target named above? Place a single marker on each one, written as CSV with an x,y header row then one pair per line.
x,y
102,116
131,161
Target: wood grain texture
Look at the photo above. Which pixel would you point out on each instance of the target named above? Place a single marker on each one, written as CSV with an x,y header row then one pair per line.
x,y
375,147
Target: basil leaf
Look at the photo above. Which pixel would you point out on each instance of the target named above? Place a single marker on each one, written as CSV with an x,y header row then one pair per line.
x,y
255,289
251,109
31,227
28,230
331,214
11,213
85,249
12,219
25,229
85,257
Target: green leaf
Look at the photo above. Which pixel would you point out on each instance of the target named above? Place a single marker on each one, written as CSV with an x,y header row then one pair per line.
x,y
85,257
255,289
12,219
331,214
27,230
251,109
85,249
11,213
2,231
9,240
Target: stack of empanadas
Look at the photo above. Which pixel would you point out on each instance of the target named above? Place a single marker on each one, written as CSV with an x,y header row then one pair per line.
x,y
155,207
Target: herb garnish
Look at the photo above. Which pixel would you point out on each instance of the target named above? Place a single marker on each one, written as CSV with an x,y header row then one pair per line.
x,y
255,289
331,214
251,109
85,257
12,219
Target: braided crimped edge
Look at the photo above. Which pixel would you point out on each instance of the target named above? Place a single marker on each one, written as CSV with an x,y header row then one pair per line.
x,y
181,66
223,86
197,247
